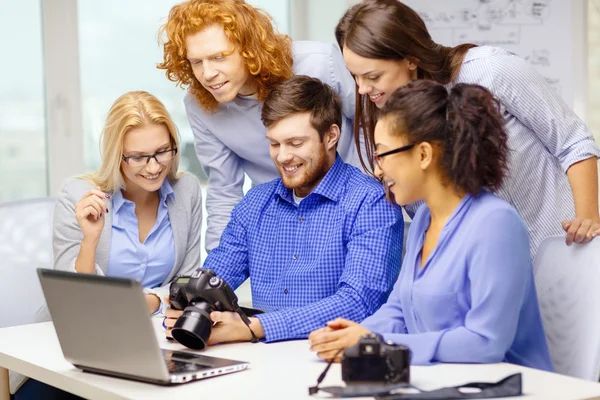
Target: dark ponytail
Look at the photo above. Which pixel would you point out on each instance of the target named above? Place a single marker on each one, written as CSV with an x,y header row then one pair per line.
x,y
476,153
466,123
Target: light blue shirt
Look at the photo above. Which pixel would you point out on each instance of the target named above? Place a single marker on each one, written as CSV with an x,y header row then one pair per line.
x,y
150,262
475,300
231,142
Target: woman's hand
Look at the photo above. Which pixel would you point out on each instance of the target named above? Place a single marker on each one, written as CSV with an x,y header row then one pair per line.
x,y
339,334
171,316
580,230
153,302
89,211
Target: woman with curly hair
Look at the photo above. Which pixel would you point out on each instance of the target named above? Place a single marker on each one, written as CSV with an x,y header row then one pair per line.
x,y
553,177
465,293
229,56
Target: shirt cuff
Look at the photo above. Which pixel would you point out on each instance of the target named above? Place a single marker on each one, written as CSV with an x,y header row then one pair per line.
x,y
275,326
162,306
423,346
579,153
97,269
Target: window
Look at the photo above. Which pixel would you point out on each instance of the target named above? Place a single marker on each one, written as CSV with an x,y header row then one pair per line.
x,y
118,52
22,123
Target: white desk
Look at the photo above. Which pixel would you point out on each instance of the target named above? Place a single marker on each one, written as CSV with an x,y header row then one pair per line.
x,y
278,371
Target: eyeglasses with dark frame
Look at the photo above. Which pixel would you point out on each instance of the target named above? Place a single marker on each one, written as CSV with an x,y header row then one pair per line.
x,y
379,157
160,157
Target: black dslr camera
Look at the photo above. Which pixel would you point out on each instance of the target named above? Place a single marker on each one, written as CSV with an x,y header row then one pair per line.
x,y
198,295
373,360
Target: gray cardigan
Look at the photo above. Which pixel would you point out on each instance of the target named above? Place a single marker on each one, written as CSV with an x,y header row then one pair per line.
x,y
185,214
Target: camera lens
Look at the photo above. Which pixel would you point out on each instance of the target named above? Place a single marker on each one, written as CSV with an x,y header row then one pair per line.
x,y
192,328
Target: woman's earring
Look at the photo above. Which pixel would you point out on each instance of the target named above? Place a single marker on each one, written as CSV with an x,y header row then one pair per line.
x,y
412,67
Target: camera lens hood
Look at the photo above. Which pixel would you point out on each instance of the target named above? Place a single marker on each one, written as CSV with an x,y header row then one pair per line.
x,y
192,328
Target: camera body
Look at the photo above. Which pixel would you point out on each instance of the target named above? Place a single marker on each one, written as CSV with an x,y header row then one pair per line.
x,y
374,360
198,295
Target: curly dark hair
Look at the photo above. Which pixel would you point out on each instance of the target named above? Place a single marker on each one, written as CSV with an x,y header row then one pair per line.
x,y
465,122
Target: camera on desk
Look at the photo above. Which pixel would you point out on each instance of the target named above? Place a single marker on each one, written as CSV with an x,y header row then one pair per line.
x,y
374,360
198,295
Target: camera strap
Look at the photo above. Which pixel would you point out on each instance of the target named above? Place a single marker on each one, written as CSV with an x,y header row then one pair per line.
x,y
510,386
246,320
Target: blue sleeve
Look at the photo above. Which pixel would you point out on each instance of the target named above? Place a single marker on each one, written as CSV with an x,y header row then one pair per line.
x,y
499,272
342,82
390,317
370,269
225,174
229,260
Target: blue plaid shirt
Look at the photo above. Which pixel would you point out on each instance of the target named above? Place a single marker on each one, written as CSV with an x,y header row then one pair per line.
x,y
336,254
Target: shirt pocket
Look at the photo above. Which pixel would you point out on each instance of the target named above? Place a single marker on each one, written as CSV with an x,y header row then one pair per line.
x,y
436,311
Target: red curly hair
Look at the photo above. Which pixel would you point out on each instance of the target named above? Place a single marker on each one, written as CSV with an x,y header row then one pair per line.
x,y
267,54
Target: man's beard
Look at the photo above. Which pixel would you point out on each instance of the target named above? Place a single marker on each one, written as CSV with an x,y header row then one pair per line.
x,y
312,174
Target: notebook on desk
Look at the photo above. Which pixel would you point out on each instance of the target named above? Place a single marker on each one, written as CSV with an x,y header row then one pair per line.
x,y
103,326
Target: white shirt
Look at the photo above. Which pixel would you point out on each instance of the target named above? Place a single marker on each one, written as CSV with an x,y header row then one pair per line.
x,y
545,138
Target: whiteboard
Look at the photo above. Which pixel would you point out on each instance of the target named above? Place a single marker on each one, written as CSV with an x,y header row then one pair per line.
x,y
550,34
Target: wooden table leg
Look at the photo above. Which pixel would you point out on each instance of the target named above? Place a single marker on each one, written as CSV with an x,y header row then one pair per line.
x,y
4,384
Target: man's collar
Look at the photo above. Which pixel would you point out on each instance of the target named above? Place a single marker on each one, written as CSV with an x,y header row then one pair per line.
x,y
330,187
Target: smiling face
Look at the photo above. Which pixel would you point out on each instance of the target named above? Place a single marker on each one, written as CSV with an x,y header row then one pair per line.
x,y
401,173
146,140
218,65
378,78
299,153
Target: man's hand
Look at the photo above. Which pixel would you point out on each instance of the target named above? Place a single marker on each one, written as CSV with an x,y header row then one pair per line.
x,y
580,230
229,327
339,334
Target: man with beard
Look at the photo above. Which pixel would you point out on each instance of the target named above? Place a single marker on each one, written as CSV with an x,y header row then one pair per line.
x,y
318,242
229,55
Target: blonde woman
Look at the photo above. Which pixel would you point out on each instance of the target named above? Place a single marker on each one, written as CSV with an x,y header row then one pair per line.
x,y
134,217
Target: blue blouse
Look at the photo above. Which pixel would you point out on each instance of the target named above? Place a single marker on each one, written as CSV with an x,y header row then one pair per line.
x,y
150,262
474,301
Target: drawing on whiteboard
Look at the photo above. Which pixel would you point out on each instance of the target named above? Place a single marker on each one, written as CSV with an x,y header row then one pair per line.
x,y
541,32
487,22
554,84
539,57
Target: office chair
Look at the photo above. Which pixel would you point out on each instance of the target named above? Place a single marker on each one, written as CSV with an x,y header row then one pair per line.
x,y
25,244
567,280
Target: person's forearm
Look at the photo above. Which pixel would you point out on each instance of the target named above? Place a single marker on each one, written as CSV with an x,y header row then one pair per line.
x,y
153,302
583,178
86,259
257,328
298,322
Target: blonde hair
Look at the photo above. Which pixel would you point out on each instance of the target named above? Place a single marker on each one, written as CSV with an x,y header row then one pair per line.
x,y
130,111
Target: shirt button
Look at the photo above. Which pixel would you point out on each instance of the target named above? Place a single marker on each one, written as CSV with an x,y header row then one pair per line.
x,y
142,265
285,291
301,219
294,257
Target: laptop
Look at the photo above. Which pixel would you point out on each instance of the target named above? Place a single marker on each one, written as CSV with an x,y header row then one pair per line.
x,y
103,326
